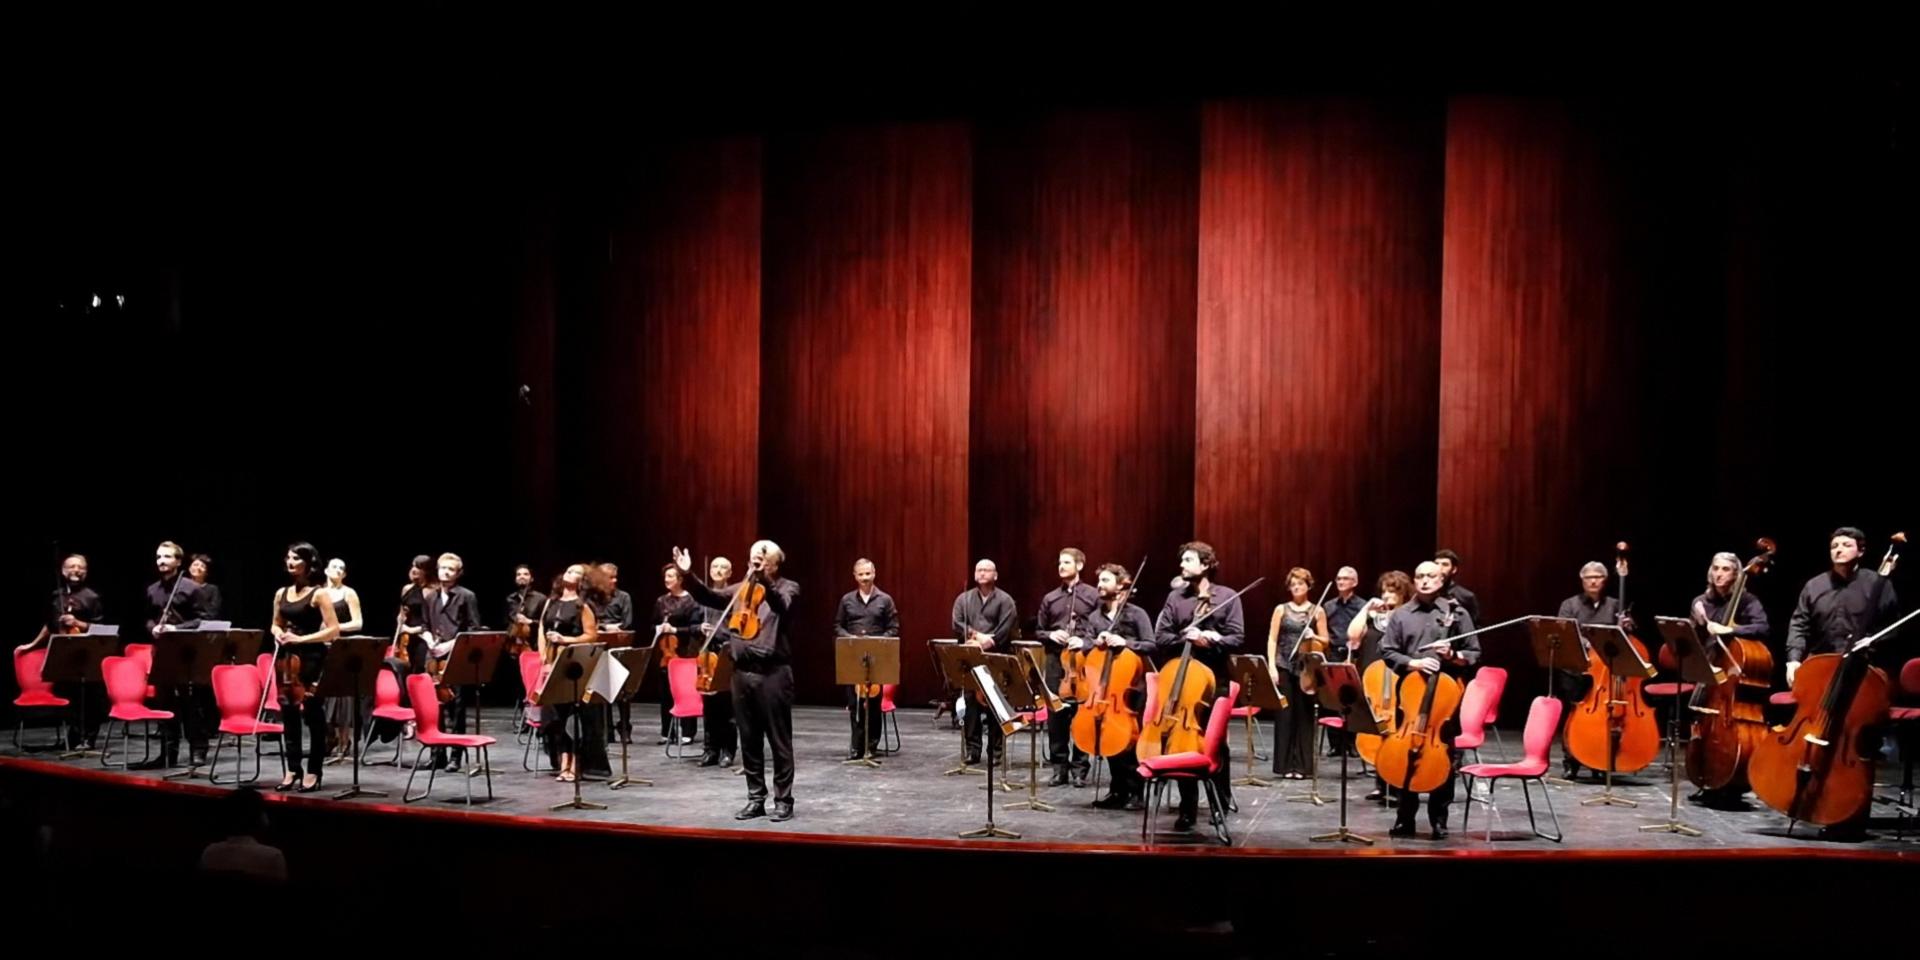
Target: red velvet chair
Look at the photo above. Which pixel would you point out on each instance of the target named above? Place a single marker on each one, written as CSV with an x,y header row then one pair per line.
x,y
1198,765
35,694
236,690
887,719
428,734
126,682
386,706
530,722
683,682
1543,720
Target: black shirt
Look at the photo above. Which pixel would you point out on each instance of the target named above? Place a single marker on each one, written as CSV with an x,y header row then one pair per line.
x,y
1416,624
1749,621
1464,597
82,602
1578,608
1134,626
525,603
212,606
618,612
1340,614
993,615
1832,612
184,610
1064,609
1228,619
452,612
772,647
874,616
682,613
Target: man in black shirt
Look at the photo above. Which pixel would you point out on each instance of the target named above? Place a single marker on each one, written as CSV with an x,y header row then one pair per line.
x,y
174,602
1214,640
1450,569
1341,609
984,616
618,611
762,675
1590,606
72,609
1842,605
1063,626
451,611
1417,638
1120,624
865,611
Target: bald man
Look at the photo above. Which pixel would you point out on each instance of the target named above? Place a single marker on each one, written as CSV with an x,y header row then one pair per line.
x,y
984,616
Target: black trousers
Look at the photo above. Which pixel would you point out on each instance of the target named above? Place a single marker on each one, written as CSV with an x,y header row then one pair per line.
x,y
310,715
453,719
1060,750
591,759
556,727
1437,801
721,737
763,706
1222,784
977,722
872,727
1125,770
194,714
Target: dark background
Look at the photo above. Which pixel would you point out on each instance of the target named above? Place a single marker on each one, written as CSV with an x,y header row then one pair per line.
x,y
929,306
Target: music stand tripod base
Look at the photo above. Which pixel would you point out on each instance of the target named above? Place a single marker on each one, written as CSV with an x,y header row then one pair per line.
x,y
623,779
1033,801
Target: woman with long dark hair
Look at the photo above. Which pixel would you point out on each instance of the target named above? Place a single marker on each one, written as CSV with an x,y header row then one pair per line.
x,y
568,619
303,625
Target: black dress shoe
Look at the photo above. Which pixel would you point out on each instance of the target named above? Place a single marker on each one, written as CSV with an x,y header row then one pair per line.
x,y
726,759
1183,823
197,758
782,811
1079,780
1439,830
973,760
754,808
1376,796
304,788
1112,801
154,764
1059,778
1401,828
710,760
1137,801
854,754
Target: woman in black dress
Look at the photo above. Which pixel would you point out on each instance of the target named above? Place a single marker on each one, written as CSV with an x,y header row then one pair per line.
x,y
567,620
1293,728
346,609
303,625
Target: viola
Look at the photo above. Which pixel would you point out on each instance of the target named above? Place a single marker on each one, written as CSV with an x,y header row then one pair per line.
x,y
744,621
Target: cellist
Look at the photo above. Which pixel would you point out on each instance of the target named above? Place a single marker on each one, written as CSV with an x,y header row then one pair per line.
x,y
1221,635
1119,622
1416,639
1709,610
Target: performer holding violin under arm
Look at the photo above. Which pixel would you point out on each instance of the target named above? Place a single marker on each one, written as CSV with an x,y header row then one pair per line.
x,y
1419,641
1297,632
303,624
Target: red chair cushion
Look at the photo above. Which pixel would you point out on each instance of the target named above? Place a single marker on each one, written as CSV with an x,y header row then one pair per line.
x,y
1667,689
402,714
1172,763
1470,741
128,711
1246,711
1336,723
1783,699
1901,714
1490,770
245,727
455,740
39,698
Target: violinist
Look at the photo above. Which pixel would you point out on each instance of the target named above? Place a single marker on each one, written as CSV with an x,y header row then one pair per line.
x,y
984,616
1119,622
1417,639
1709,611
73,607
522,609
422,575
303,624
721,737
757,639
1593,606
1344,607
1449,562
566,621
1294,621
1363,639
1843,604
174,602
1062,626
1213,642
674,615
866,611
451,611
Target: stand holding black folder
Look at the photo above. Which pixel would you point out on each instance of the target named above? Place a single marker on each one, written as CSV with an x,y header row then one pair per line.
x,y
982,679
1340,693
1256,690
567,683
636,660
186,658
1681,634
1557,646
75,658
956,661
471,663
352,668
864,663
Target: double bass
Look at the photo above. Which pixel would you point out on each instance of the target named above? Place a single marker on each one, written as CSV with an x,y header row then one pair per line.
x,y
1612,727
1184,685
1105,725
1730,712
1414,757
1818,767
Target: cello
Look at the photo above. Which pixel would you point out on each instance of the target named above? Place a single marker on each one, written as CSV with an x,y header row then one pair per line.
x,y
1730,712
1414,757
1105,725
1377,683
1184,686
1612,729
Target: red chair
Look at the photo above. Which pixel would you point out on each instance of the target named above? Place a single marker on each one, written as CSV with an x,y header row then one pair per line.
x,y
1497,678
1543,720
142,652
386,706
428,734
887,717
1473,714
236,690
530,721
36,693
1198,765
126,682
683,681
1906,728
269,683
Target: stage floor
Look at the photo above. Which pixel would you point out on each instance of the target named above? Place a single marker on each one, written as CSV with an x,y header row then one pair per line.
x,y
909,799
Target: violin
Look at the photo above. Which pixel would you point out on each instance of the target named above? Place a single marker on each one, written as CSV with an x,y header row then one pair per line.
x,y
289,667
437,669
518,636
668,643
707,666
1819,766
1311,650
1612,728
744,621
1730,712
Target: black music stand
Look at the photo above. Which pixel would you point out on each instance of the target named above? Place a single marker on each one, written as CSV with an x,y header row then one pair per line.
x,y
1012,673
471,663
75,658
635,660
1340,693
1557,646
185,659
352,668
1680,633
1256,690
567,683
1610,644
956,661
981,679
859,662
